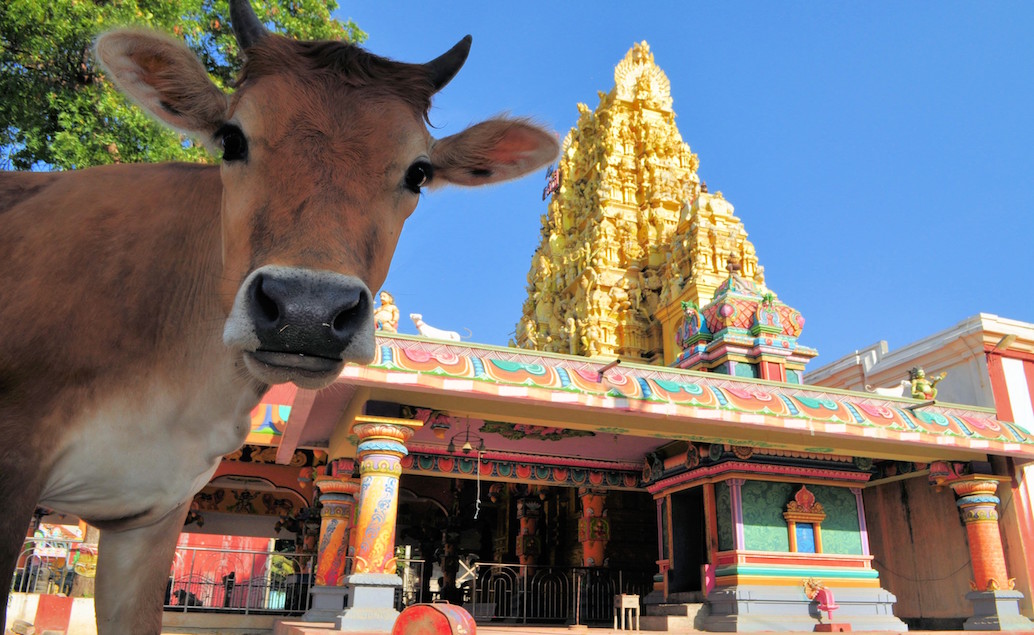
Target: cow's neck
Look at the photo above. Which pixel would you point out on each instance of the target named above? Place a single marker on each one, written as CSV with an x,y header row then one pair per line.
x,y
165,397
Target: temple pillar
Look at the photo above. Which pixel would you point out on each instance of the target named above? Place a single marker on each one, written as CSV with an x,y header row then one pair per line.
x,y
995,600
593,526
371,598
337,496
529,546
659,594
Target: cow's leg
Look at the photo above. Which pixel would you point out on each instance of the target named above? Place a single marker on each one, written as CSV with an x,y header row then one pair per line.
x,y
18,500
18,497
132,570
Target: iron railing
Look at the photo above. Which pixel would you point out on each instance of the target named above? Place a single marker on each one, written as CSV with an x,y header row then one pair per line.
x,y
282,586
571,595
52,566
203,579
279,583
237,580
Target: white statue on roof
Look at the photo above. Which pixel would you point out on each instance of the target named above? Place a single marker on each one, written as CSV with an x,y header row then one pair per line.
x,y
427,330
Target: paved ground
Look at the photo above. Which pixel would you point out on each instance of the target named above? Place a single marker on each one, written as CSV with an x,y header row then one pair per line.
x,y
311,629
548,630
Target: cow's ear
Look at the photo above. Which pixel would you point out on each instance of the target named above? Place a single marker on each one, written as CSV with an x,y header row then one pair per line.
x,y
165,77
492,151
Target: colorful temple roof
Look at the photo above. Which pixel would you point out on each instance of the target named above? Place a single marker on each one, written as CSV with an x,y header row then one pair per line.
x,y
743,331
635,400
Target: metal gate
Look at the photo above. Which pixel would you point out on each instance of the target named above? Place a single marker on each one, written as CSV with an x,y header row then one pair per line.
x,y
569,595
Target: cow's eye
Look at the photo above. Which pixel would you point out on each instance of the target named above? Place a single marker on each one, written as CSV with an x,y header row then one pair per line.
x,y
418,175
235,146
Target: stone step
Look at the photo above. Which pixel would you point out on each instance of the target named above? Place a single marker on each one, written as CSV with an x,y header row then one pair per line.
x,y
686,597
664,623
673,617
669,609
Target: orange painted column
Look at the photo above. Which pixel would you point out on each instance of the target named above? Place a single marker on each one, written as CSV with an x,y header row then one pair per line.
x,y
529,545
977,503
380,452
337,494
374,578
593,526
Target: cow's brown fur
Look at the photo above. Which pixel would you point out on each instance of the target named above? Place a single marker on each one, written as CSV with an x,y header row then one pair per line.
x,y
341,63
124,376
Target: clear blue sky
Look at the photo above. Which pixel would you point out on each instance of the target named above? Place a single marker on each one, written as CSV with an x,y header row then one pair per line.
x,y
880,154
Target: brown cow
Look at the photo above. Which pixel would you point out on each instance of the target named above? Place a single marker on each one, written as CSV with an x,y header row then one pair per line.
x,y
145,310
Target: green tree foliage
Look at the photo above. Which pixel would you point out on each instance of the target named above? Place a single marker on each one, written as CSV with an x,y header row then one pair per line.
x,y
58,111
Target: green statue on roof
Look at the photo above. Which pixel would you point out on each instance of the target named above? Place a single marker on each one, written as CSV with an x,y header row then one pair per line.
x,y
923,388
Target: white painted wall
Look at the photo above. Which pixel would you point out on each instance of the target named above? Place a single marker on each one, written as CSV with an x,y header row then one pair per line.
x,y
22,606
1019,393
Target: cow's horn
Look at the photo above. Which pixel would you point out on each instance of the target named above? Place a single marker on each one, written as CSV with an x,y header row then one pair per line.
x,y
246,25
444,67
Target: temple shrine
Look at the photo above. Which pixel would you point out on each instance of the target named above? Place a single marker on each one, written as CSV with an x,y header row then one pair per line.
x,y
650,433
655,387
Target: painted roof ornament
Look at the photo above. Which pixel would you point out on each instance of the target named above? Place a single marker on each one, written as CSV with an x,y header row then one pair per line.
x,y
694,330
386,316
804,508
637,77
924,387
739,303
427,330
892,391
746,330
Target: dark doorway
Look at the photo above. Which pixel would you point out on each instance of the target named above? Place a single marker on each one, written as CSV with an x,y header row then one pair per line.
x,y
689,541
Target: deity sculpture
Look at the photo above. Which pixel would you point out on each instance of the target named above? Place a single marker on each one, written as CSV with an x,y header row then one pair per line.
x,y
922,387
386,316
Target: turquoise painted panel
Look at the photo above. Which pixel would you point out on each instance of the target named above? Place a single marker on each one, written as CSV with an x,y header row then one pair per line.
x,y
743,369
841,532
797,573
723,508
764,528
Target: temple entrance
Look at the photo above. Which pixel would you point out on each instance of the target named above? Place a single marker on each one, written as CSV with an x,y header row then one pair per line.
x,y
689,551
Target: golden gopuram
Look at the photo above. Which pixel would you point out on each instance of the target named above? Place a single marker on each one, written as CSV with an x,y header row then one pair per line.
x,y
631,232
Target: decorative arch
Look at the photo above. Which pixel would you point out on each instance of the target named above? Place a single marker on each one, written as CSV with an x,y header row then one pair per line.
x,y
804,516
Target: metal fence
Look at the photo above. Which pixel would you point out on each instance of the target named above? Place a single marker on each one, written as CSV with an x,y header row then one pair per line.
x,y
202,579
52,566
228,580
278,583
575,595
235,580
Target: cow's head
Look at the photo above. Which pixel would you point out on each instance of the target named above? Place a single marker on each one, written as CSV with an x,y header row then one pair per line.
x,y
324,154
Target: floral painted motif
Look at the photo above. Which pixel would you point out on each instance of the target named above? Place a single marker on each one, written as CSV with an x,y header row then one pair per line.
x,y
515,431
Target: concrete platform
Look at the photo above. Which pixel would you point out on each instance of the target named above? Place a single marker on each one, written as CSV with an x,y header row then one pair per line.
x,y
316,628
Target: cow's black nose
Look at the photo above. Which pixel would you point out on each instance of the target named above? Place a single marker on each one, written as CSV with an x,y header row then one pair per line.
x,y
307,312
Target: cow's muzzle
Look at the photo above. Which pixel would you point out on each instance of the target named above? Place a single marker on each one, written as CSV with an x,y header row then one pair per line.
x,y
301,325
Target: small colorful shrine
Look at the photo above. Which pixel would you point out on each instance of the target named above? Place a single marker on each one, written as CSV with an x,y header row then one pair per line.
x,y
654,390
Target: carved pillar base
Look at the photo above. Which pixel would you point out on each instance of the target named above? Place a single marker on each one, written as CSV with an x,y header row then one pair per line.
x,y
996,611
371,603
327,603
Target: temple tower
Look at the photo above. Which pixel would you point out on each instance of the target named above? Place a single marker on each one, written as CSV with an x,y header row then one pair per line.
x,y
630,228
